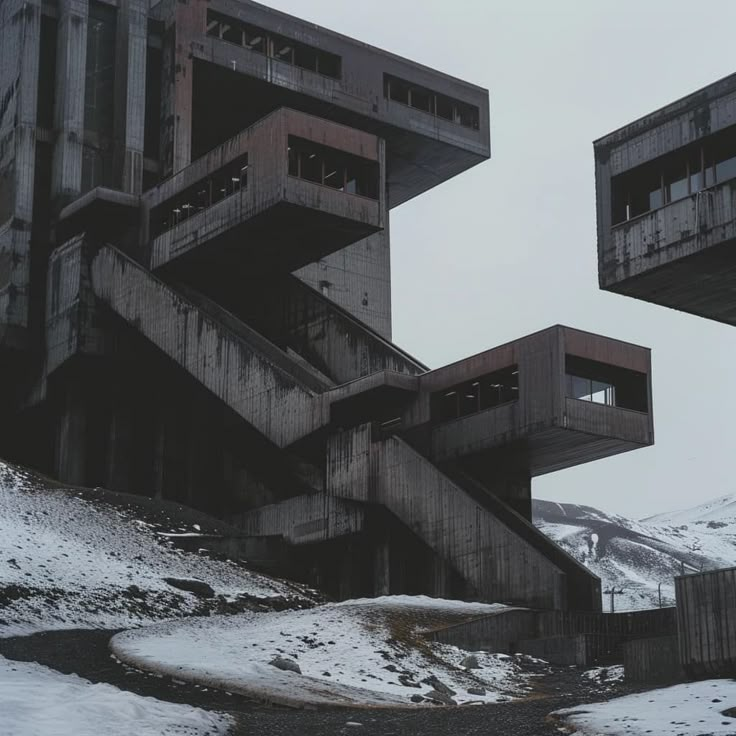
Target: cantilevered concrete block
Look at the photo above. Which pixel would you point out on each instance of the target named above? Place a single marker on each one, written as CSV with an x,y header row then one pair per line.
x,y
666,191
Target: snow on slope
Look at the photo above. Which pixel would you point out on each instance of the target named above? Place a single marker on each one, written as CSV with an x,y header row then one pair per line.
x,y
692,709
362,652
36,701
66,562
639,555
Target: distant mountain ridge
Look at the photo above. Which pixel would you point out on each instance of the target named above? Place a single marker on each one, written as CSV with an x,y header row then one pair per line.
x,y
638,556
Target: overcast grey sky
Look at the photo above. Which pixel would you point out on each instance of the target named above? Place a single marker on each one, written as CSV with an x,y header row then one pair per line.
x,y
509,247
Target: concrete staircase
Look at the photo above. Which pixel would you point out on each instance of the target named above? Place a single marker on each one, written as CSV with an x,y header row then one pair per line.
x,y
269,390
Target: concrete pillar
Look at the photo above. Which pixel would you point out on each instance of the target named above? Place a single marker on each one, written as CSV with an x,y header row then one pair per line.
x,y
440,581
130,97
185,20
20,30
25,146
71,438
71,60
121,441
382,568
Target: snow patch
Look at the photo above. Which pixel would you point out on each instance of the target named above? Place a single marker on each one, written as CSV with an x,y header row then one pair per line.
x,y
367,652
692,709
36,701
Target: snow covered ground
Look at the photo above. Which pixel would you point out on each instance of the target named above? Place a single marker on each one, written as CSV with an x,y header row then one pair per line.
x,y
36,701
66,562
692,709
638,556
367,652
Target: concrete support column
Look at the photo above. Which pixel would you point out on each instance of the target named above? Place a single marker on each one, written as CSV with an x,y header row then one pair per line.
x,y
130,98
25,144
121,442
20,30
71,60
382,568
440,582
70,461
185,20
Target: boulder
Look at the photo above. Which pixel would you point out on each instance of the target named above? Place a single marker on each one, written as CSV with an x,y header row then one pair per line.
x,y
470,662
288,665
438,685
438,697
200,589
476,691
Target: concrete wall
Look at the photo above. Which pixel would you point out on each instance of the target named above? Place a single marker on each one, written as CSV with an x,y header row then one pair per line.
x,y
358,279
654,661
706,616
304,519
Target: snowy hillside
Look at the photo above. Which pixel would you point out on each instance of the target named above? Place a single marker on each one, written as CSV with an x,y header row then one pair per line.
x,y
638,555
68,561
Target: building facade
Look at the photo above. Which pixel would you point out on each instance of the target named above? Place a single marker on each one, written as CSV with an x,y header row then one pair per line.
x,y
195,300
666,191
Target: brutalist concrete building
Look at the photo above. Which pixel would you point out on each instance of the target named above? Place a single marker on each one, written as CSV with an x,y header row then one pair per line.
x,y
666,189
195,300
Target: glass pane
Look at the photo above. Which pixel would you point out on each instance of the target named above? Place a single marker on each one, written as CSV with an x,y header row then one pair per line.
x,y
726,170
579,388
678,189
655,198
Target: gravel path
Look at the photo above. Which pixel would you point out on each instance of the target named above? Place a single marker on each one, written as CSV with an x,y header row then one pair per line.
x,y
85,653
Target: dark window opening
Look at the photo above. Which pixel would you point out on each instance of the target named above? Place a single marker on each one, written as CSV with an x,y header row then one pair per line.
x,y
673,177
478,394
278,47
152,125
219,185
47,73
421,98
600,383
333,168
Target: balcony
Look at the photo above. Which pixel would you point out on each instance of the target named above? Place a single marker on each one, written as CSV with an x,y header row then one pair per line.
x,y
680,255
287,191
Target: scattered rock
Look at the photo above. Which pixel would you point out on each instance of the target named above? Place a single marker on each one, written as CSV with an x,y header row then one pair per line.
x,y
439,686
288,665
470,662
192,586
438,697
476,691
417,699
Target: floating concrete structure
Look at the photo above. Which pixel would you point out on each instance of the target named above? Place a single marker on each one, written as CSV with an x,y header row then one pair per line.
x,y
666,191
195,300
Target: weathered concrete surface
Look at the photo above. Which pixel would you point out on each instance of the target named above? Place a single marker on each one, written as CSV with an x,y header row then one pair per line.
x,y
268,398
20,29
304,519
498,564
706,622
679,254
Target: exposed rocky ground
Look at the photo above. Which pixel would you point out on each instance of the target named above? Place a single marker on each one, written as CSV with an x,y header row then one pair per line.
x,y
86,653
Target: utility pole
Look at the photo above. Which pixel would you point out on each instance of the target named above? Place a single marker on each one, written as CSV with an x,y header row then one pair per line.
x,y
613,592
